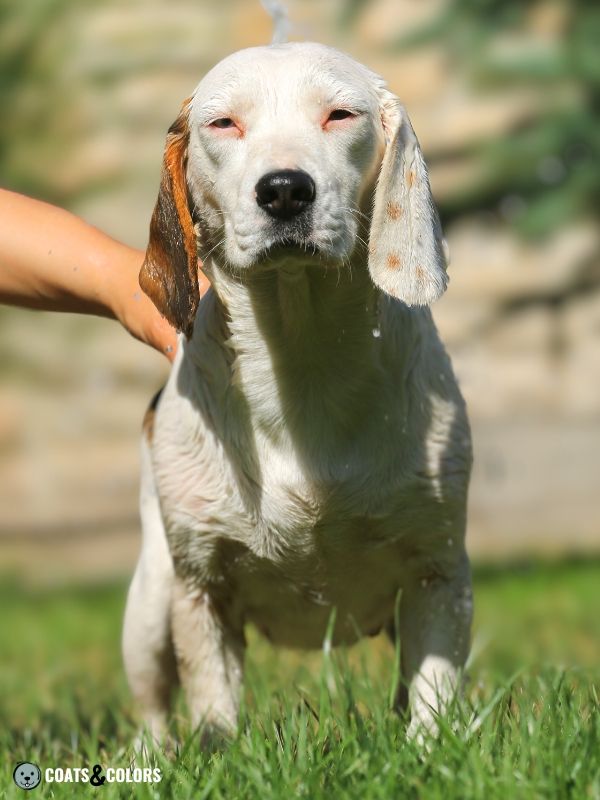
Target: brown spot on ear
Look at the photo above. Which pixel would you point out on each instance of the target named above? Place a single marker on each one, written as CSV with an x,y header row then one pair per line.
x,y
420,274
169,274
394,210
410,178
393,261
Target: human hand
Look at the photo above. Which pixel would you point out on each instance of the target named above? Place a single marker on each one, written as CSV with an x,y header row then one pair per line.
x,y
136,312
71,266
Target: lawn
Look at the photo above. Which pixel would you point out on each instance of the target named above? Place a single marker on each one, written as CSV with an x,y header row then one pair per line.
x,y
318,725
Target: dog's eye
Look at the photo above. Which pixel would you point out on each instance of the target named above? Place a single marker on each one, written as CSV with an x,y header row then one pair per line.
x,y
223,122
340,113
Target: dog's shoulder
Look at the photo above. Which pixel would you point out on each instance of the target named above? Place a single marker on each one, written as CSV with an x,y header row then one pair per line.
x,y
435,427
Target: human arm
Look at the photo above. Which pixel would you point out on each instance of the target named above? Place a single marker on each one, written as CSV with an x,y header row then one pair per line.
x,y
51,260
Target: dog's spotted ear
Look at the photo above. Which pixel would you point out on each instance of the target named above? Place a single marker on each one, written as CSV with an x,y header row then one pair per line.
x,y
169,274
406,249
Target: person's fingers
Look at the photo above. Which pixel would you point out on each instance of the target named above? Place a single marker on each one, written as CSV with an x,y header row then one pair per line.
x,y
159,333
166,341
146,323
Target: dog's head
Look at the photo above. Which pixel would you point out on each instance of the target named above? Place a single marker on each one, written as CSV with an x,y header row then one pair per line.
x,y
280,151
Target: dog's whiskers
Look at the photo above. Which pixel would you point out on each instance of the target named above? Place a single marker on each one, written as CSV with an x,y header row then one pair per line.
x,y
206,256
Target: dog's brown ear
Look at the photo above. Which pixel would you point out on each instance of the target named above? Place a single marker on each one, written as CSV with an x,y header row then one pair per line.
x,y
169,274
406,248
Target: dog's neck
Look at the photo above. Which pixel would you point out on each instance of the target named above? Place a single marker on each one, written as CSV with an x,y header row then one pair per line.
x,y
305,343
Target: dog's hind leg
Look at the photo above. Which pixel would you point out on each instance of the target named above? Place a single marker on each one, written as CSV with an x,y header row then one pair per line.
x,y
209,661
147,643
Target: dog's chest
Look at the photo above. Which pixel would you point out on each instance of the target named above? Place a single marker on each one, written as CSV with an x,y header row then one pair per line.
x,y
283,550
286,568
287,494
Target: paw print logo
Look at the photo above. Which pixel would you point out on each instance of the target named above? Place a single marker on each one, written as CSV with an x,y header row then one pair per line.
x,y
27,775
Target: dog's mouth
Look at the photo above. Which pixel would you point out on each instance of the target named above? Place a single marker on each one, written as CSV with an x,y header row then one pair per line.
x,y
292,246
290,240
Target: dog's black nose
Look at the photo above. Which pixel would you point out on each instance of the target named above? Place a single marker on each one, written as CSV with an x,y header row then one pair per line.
x,y
285,193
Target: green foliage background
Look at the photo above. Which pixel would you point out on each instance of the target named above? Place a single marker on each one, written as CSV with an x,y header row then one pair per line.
x,y
549,164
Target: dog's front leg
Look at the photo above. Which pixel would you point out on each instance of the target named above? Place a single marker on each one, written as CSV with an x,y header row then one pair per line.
x,y
435,622
147,644
209,662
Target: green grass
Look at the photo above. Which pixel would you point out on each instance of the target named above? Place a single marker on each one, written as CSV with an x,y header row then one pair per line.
x,y
318,726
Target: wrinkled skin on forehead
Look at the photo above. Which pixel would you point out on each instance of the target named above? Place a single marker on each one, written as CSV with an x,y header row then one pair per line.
x,y
287,132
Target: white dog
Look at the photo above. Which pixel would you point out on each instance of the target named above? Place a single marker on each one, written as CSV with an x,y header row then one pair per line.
x,y
311,449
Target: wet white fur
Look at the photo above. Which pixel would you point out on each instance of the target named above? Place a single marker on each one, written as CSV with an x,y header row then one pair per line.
x,y
311,448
